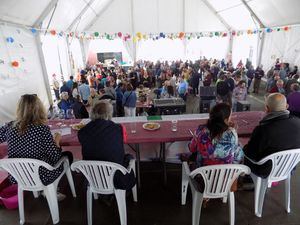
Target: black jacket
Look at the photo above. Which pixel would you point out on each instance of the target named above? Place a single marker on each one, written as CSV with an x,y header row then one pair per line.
x,y
271,136
103,140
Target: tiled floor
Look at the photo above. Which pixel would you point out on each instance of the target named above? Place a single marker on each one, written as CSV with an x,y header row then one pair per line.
x,y
160,205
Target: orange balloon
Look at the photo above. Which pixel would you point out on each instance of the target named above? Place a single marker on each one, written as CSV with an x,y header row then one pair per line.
x,y
53,32
15,63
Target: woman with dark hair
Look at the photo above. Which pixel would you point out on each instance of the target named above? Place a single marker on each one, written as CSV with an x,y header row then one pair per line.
x,y
217,142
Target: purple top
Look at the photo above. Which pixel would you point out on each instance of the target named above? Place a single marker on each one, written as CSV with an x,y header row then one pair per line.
x,y
294,101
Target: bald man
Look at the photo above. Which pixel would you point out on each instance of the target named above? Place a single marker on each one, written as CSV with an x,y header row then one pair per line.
x,y
277,131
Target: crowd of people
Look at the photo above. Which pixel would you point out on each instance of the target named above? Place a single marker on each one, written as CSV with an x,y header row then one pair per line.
x,y
148,80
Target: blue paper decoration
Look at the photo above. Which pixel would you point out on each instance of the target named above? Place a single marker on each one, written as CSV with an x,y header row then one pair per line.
x,y
33,30
10,40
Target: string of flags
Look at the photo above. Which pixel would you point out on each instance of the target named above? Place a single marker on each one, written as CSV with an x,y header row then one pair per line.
x,y
139,36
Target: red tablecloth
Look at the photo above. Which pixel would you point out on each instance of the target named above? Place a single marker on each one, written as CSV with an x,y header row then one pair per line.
x,y
246,122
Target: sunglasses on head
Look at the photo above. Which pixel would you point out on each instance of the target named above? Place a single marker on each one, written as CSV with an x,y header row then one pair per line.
x,y
29,95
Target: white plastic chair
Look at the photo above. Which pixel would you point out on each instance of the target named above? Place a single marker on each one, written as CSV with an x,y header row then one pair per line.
x,y
282,164
100,176
26,173
218,180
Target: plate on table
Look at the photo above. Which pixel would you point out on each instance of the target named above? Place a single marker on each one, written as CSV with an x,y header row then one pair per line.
x,y
77,126
151,126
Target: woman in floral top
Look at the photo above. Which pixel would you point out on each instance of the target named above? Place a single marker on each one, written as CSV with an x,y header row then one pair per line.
x,y
217,142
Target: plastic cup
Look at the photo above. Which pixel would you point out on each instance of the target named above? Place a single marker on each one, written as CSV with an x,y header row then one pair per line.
x,y
174,125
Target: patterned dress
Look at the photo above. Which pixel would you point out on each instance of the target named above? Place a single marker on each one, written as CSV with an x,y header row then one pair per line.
x,y
36,143
223,150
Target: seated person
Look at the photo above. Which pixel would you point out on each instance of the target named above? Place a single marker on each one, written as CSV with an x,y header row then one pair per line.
x,y
102,139
277,131
279,87
79,109
217,142
293,100
30,137
169,93
64,103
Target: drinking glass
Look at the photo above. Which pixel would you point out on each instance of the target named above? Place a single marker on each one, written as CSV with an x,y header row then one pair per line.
x,y
133,127
174,125
70,115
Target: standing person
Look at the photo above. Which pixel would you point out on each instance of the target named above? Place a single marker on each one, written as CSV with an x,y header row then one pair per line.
x,y
217,142
119,99
70,83
182,88
259,73
84,91
239,93
30,137
250,74
277,131
55,85
64,88
75,91
195,82
129,101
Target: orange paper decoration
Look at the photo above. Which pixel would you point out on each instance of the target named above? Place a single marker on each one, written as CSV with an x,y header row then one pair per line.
x,y
15,63
181,35
286,28
53,32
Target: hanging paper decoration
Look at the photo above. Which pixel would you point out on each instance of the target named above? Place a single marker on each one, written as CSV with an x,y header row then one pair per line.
x,y
1,61
139,35
22,59
181,35
33,30
224,34
249,31
119,34
15,64
52,32
286,28
96,34
10,40
217,34
269,30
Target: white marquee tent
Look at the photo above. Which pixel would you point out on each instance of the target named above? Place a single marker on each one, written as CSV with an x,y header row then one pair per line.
x,y
18,42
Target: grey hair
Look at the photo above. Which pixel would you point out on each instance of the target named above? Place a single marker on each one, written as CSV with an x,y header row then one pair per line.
x,y
64,94
102,110
276,102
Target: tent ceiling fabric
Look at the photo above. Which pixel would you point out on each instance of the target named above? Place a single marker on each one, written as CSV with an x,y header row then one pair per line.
x,y
152,16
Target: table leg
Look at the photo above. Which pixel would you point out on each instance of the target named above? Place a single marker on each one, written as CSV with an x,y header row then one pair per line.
x,y
163,145
138,158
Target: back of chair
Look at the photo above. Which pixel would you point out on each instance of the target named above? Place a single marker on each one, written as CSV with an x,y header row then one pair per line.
x,y
218,179
25,171
282,163
99,174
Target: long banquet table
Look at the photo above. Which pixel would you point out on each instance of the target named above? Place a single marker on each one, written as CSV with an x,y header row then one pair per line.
x,y
245,123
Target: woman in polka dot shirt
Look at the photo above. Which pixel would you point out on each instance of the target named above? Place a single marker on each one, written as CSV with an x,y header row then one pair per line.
x,y
29,137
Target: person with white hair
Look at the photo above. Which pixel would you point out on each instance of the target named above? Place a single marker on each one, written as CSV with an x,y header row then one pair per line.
x,y
277,131
103,140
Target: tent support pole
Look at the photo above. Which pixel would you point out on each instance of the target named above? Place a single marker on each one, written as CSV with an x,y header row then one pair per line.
x,y
83,51
43,65
103,9
133,32
45,13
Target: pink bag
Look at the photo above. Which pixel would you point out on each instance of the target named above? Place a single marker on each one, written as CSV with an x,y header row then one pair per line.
x,y
9,197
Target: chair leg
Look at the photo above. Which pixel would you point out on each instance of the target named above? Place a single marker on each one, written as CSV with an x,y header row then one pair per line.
x,y
36,194
21,205
231,208
134,193
257,186
197,204
262,192
184,183
121,201
89,205
224,200
288,194
51,195
71,182
95,196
